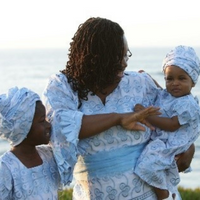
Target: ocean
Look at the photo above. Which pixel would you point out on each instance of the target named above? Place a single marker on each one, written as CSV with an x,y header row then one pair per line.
x,y
32,67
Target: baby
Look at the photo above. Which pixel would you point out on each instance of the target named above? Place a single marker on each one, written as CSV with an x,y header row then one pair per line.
x,y
177,128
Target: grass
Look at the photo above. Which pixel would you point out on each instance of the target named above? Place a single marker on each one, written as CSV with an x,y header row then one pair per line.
x,y
189,194
186,194
65,194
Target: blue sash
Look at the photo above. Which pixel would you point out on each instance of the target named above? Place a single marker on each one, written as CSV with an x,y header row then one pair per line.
x,y
108,163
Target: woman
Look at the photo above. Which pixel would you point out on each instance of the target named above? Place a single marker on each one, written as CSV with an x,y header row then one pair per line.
x,y
90,105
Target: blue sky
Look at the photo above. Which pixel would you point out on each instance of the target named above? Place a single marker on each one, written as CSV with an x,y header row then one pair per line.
x,y
52,23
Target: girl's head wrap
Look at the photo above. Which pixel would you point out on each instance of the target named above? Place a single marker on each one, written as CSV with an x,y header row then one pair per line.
x,y
17,109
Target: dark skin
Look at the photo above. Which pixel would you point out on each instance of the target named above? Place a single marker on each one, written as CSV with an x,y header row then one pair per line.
x,y
126,120
164,123
26,151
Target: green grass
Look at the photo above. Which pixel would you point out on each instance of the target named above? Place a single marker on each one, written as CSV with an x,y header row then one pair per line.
x,y
65,194
186,194
189,194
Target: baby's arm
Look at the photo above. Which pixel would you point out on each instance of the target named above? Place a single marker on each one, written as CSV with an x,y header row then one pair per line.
x,y
164,123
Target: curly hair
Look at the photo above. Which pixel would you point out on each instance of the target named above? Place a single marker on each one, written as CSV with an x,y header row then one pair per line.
x,y
95,56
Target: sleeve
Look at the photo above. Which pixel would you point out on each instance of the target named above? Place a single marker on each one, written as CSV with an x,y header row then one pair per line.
x,y
151,91
61,107
187,109
5,182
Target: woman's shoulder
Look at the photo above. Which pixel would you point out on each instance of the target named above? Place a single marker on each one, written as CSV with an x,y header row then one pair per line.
x,y
136,76
58,77
57,84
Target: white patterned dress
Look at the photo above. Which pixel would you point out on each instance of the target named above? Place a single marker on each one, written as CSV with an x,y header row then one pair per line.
x,y
104,170
157,165
17,182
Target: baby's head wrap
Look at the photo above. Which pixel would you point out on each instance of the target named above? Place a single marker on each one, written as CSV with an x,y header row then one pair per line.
x,y
17,109
185,58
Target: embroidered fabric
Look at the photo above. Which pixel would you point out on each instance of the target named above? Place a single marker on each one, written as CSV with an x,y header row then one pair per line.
x,y
156,165
62,102
18,182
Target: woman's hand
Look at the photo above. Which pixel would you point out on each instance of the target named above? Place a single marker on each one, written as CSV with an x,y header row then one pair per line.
x,y
94,124
184,160
130,120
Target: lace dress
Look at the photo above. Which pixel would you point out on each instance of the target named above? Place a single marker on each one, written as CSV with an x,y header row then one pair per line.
x,y
156,164
104,169
22,183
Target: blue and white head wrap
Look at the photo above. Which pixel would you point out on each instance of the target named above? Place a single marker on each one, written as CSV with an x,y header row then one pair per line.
x,y
17,109
186,58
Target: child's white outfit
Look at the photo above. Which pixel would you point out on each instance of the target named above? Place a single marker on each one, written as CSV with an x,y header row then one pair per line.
x,y
157,165
19,182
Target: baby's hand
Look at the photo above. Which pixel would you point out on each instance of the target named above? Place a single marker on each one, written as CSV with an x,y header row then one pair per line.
x,y
138,107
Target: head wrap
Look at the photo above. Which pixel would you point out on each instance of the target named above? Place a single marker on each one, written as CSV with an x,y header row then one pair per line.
x,y
17,109
185,58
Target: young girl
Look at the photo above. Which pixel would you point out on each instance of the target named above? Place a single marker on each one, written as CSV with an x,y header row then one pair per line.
x,y
179,125
27,171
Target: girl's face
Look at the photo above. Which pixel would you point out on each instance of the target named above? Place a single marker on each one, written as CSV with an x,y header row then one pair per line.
x,y
40,129
125,59
178,82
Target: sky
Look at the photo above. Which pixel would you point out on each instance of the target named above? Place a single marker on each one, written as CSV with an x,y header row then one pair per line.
x,y
52,23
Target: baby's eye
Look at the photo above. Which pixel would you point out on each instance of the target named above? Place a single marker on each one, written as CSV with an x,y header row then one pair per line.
x,y
168,78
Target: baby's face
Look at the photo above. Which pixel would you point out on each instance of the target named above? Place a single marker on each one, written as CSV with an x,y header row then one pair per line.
x,y
40,129
178,82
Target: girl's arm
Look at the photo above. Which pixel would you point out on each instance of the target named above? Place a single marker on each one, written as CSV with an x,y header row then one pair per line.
x,y
164,123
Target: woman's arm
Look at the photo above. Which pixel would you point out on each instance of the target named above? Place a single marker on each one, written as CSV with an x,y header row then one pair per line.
x,y
94,124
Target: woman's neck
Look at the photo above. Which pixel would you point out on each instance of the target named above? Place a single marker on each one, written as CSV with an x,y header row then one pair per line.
x,y
102,95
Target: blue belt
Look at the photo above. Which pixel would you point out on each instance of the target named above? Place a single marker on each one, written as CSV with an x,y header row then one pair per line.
x,y
106,163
